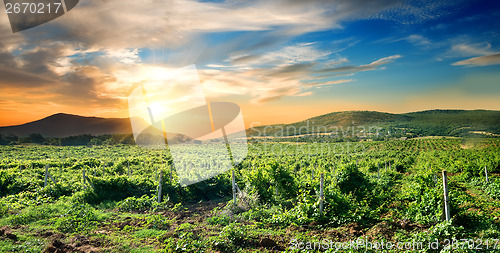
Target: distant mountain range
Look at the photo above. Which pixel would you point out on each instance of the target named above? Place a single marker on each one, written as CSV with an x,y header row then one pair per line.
x,y
423,123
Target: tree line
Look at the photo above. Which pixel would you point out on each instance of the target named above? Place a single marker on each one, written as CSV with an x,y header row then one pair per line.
x,y
78,140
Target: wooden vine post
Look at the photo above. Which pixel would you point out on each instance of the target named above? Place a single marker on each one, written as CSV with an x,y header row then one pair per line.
x,y
321,193
170,174
47,176
486,173
84,179
446,199
378,173
160,187
234,187
156,172
128,168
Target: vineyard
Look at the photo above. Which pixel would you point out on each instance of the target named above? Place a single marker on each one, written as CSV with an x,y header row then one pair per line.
x,y
106,198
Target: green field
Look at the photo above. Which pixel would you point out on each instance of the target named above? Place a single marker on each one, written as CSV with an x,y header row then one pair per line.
x,y
376,191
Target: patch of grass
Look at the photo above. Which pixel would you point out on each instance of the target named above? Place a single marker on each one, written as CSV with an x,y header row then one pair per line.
x,y
107,205
80,218
232,237
157,221
254,231
31,214
220,219
132,248
28,245
148,233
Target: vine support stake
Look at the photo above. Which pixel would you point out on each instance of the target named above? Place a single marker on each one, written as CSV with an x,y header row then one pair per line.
x,y
84,179
159,187
156,173
321,193
46,175
128,168
446,199
378,173
234,187
486,173
170,174
53,180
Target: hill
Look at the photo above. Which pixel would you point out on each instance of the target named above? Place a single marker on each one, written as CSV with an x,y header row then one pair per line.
x,y
371,124
63,125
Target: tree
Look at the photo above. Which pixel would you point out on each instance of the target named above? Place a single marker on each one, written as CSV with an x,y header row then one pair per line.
x,y
11,139
36,138
95,142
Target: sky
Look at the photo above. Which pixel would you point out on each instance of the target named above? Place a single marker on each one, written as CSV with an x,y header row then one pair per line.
x,y
280,61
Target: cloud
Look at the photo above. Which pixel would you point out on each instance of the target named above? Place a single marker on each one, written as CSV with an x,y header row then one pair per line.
x,y
245,59
304,52
487,60
87,84
284,58
309,93
472,49
294,71
44,60
126,56
372,66
159,24
18,79
419,11
173,23
484,54
329,82
7,59
264,83
277,93
418,40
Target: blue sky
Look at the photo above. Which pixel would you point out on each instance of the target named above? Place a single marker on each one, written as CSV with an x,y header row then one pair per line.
x,y
281,61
